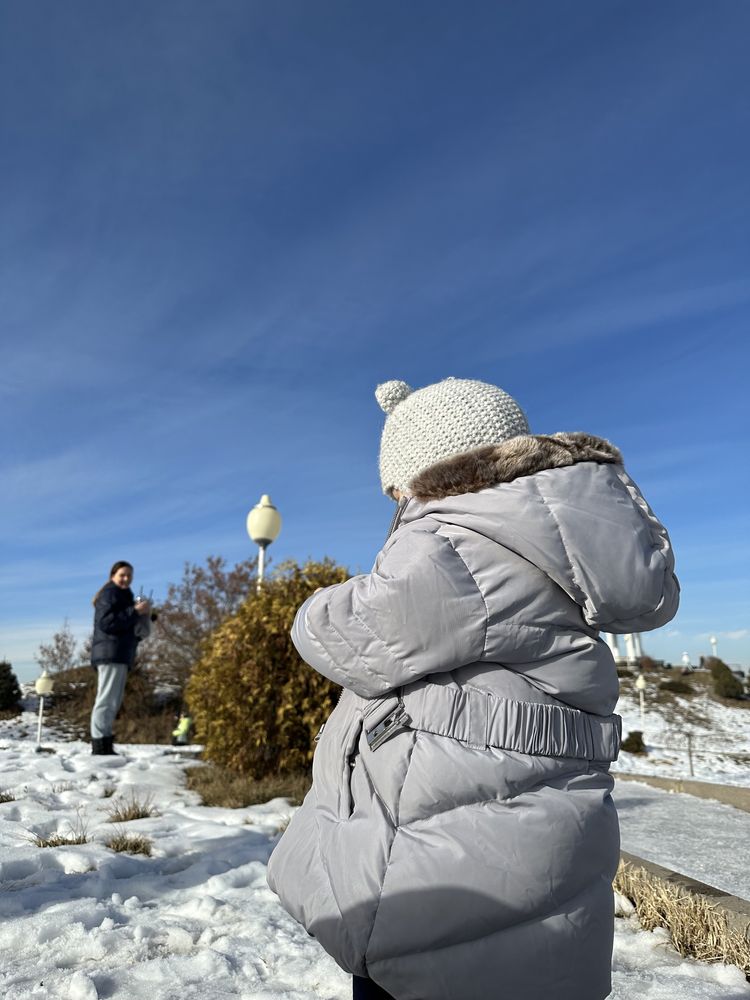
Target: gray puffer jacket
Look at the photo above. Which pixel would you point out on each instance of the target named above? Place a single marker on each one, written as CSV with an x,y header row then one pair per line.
x,y
459,841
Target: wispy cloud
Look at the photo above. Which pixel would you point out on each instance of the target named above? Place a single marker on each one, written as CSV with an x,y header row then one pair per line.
x,y
736,635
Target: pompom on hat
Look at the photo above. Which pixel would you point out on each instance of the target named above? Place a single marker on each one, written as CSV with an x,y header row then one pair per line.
x,y
424,426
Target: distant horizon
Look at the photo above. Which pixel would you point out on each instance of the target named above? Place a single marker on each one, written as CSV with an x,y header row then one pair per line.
x,y
28,671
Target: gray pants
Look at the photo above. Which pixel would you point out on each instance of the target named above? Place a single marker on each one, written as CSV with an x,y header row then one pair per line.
x,y
109,692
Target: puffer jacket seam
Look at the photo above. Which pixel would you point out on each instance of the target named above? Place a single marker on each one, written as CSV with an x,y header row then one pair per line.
x,y
396,829
479,589
508,798
565,903
358,659
376,637
324,867
378,678
581,595
382,641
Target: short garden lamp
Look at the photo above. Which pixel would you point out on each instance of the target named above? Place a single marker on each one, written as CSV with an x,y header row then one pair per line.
x,y
686,660
640,686
263,526
44,686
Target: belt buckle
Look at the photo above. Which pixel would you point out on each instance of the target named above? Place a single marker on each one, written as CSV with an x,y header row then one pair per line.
x,y
395,722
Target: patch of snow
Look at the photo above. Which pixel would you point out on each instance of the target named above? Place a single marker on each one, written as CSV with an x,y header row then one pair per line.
x,y
82,922
645,965
720,739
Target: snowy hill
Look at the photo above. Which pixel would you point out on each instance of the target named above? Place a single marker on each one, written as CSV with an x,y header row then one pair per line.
x,y
719,731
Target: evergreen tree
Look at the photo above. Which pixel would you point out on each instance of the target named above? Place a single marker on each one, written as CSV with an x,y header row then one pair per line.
x,y
10,692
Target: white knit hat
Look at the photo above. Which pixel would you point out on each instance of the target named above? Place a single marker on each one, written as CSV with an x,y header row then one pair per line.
x,y
427,425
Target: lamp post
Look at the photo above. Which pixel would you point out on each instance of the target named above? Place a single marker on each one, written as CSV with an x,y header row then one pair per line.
x,y
714,643
44,686
263,526
640,686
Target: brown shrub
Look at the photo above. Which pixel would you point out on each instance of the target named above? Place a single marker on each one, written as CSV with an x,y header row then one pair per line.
x,y
677,687
633,743
256,705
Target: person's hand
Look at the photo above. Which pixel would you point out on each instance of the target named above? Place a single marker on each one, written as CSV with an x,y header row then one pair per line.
x,y
142,607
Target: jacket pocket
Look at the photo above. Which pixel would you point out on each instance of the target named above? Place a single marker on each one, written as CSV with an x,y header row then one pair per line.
x,y
350,755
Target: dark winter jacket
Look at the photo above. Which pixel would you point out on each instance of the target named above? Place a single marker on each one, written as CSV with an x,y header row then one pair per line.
x,y
116,626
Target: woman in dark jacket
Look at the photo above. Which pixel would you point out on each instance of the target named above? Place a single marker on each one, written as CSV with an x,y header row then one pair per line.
x,y
120,622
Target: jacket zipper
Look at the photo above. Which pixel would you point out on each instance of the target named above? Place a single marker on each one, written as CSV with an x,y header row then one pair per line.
x,y
402,505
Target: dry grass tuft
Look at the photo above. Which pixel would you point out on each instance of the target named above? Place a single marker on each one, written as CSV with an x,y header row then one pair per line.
x,y
126,843
59,839
78,834
7,796
129,808
219,787
108,791
697,928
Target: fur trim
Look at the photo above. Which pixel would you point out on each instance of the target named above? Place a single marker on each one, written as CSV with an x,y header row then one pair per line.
x,y
491,464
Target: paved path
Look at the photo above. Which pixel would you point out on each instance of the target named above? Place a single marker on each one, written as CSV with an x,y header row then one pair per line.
x,y
730,795
705,840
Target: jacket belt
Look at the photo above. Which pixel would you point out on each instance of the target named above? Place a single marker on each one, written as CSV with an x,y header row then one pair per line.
x,y
482,720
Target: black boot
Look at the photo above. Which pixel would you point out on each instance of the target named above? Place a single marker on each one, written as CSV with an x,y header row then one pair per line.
x,y
109,749
97,746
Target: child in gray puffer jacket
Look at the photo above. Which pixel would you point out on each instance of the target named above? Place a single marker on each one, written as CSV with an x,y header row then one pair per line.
x,y
459,841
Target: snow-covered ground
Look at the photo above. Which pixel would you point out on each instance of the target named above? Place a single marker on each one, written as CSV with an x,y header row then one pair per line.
x,y
699,838
720,739
195,921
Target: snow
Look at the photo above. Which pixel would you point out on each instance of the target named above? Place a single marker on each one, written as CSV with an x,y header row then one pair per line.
x,y
702,839
645,965
82,922
720,739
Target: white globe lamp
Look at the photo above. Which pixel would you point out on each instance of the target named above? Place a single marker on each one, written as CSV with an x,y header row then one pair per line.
x,y
263,527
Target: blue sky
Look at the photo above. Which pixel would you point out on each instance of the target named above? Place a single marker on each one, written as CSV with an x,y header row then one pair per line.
x,y
225,223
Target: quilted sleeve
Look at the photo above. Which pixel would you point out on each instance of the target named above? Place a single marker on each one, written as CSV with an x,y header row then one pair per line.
x,y
419,612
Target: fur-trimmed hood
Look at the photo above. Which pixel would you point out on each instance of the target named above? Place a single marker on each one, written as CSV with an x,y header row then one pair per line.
x,y
525,455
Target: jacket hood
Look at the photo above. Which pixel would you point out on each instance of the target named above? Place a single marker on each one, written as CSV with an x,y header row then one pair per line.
x,y
564,503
